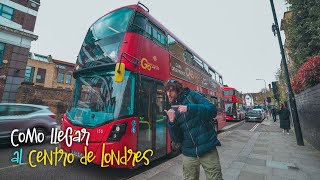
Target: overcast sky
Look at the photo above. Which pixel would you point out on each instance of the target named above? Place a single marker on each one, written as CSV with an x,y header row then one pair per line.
x,y
233,36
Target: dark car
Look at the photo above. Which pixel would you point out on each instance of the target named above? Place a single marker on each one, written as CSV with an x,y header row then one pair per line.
x,y
24,116
254,115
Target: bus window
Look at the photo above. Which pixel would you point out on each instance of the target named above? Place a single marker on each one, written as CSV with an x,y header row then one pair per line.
x,y
188,57
156,35
206,67
160,118
159,36
175,48
220,80
149,31
113,23
145,115
138,24
214,100
222,106
213,74
198,63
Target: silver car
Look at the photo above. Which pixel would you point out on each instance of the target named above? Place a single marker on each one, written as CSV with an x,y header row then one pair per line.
x,y
24,116
254,115
262,112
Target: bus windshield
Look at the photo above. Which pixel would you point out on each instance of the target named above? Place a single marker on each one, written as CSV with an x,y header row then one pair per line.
x,y
229,108
103,39
98,99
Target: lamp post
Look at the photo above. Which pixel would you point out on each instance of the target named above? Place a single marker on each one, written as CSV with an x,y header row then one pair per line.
x,y
295,117
265,86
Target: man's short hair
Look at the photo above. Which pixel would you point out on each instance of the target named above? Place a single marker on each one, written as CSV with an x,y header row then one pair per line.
x,y
176,85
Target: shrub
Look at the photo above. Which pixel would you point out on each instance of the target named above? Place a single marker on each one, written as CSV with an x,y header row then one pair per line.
x,y
296,83
307,76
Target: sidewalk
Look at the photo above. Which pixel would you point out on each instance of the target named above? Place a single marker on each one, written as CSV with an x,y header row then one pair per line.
x,y
264,154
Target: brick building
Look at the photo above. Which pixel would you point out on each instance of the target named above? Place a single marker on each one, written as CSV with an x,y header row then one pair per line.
x,y
47,72
17,22
63,74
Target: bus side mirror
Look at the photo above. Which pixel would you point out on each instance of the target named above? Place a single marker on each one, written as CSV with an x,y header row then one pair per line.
x,y
119,72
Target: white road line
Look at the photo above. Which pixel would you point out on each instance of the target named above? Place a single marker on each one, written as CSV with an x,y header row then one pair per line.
x,y
254,127
232,125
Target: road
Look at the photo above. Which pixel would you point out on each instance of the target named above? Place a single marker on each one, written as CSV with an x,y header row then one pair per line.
x,y
76,170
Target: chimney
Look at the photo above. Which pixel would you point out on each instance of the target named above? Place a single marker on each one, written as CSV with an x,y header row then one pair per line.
x,y
50,58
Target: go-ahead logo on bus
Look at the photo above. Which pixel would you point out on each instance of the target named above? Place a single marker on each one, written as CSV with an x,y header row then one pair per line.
x,y
145,64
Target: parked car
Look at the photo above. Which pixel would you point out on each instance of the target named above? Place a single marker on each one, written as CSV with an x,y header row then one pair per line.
x,y
254,115
24,116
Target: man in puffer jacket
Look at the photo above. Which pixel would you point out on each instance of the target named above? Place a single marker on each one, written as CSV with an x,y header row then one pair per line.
x,y
190,123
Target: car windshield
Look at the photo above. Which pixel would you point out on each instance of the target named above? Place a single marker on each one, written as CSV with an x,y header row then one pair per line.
x,y
103,39
257,107
98,99
254,112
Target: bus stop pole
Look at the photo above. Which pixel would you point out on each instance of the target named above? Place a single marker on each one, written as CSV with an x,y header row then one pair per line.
x,y
292,101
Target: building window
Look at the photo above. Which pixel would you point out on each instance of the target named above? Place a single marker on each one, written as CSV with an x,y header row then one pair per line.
x,y
1,51
28,77
6,11
41,58
41,75
68,79
60,78
60,67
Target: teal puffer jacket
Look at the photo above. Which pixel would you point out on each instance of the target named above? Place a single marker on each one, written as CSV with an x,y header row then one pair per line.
x,y
194,129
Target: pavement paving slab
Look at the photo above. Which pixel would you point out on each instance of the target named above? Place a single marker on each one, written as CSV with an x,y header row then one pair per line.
x,y
264,154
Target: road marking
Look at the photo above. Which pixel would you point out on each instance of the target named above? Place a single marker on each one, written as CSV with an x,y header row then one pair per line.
x,y
254,127
231,125
13,166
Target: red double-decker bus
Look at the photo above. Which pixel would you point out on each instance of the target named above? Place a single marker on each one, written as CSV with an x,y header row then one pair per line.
x,y
119,99
233,104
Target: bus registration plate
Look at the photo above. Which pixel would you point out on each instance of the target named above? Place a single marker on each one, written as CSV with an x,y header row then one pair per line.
x,y
76,153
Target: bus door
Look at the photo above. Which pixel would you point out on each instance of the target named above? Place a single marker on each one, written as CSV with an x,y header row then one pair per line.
x,y
152,121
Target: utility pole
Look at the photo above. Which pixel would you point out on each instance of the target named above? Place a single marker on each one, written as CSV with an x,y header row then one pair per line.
x,y
265,93
297,128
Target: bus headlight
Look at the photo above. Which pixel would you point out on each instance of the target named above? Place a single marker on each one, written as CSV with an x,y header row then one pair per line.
x,y
118,130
